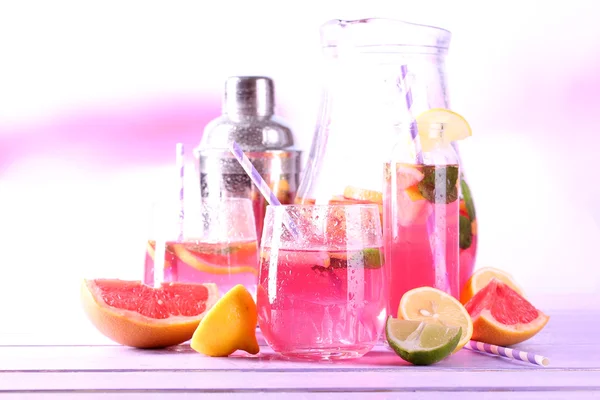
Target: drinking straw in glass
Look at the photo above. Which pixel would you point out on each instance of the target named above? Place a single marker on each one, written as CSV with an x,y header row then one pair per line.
x,y
260,183
180,167
160,250
437,248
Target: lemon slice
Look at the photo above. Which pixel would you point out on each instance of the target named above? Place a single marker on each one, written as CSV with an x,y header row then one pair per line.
x,y
421,343
434,306
354,193
455,126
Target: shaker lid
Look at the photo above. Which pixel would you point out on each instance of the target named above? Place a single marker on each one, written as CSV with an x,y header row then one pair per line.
x,y
249,95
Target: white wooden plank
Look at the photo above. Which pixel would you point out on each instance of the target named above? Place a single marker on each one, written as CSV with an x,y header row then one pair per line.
x,y
529,395
388,379
574,354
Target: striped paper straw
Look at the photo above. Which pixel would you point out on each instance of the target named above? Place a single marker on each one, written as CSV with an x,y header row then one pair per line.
x,y
180,167
159,262
260,183
507,352
414,132
436,236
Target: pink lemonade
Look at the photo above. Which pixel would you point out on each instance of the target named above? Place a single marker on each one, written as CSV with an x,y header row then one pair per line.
x,y
468,235
226,264
319,304
425,196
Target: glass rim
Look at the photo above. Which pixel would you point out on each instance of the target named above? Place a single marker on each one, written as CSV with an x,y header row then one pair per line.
x,y
218,200
374,206
202,201
384,32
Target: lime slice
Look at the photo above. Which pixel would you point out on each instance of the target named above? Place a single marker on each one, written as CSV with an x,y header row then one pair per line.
x,y
368,258
419,342
455,126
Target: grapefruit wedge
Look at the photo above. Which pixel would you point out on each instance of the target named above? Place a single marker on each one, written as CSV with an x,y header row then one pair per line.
x,y
136,315
481,278
501,316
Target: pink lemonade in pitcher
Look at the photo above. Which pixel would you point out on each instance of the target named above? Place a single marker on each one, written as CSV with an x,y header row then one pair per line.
x,y
226,264
468,234
321,304
421,229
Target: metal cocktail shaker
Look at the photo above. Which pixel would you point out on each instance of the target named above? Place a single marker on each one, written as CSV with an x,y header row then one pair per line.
x,y
248,118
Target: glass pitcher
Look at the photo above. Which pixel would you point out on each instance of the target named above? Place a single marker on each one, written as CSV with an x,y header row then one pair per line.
x,y
362,109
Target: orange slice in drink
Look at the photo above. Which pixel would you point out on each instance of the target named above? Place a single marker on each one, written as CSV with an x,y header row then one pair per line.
x,y
432,305
481,278
169,255
463,208
343,200
371,196
221,253
299,200
187,257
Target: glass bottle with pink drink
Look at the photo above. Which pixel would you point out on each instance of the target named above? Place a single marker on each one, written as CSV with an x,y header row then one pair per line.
x,y
421,216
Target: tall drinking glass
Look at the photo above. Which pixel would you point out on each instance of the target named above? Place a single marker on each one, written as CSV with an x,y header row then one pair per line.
x,y
218,244
321,288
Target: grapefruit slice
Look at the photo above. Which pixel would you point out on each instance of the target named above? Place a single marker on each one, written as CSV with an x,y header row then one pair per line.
x,y
501,316
481,278
407,176
412,208
136,315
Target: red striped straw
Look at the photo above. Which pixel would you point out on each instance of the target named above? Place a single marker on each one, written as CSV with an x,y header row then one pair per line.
x,y
435,238
508,353
180,167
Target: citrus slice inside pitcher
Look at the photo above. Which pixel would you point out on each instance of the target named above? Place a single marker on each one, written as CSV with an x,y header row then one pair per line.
x,y
455,126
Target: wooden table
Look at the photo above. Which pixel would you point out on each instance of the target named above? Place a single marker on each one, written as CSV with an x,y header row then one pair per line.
x,y
570,340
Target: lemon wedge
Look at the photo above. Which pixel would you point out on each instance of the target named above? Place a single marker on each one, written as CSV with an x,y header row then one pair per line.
x,y
455,126
228,326
434,306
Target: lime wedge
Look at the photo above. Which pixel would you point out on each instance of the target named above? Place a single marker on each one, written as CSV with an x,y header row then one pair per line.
x,y
455,126
421,343
367,258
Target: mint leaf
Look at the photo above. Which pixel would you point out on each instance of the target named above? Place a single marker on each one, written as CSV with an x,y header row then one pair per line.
x,y
465,233
439,183
466,194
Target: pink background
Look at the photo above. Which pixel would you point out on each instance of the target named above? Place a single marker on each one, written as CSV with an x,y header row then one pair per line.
x,y
94,95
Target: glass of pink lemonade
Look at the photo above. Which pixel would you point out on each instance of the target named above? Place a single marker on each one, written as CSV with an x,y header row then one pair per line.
x,y
218,244
321,282
421,229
